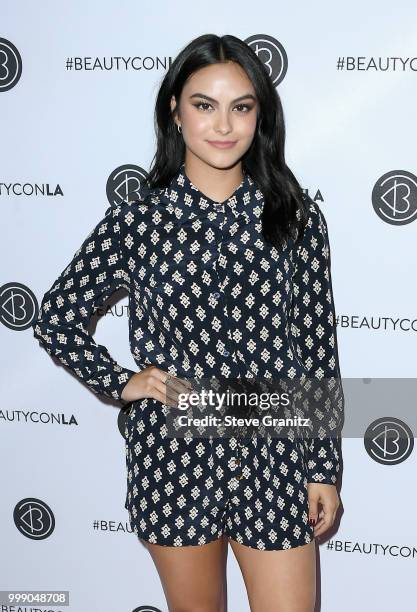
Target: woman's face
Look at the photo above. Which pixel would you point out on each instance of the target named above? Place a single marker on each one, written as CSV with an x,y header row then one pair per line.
x,y
218,103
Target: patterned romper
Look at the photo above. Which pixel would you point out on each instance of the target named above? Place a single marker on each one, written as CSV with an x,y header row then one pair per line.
x,y
207,296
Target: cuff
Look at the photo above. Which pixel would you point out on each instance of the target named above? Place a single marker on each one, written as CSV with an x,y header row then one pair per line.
x,y
323,463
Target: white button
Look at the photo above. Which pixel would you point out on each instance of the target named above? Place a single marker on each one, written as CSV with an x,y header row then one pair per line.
x,y
216,294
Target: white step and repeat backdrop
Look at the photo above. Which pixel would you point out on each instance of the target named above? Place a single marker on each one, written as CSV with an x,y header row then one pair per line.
x,y
77,87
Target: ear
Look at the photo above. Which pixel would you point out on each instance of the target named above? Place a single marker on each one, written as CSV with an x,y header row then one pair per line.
x,y
173,105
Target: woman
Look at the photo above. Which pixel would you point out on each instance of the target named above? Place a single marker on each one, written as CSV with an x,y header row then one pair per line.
x,y
227,265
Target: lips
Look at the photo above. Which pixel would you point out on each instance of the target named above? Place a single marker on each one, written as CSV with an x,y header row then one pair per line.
x,y
222,144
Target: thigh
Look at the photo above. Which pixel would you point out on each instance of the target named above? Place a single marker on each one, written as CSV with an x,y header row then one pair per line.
x,y
278,580
193,577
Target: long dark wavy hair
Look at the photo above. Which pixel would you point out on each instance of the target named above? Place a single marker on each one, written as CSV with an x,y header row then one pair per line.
x,y
264,160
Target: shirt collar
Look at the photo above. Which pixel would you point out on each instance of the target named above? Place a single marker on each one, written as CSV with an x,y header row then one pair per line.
x,y
245,200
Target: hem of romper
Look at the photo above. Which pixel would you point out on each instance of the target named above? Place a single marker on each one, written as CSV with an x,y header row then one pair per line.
x,y
289,543
272,547
173,544
152,538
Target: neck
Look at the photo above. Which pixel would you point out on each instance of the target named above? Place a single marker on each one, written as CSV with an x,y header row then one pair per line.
x,y
217,183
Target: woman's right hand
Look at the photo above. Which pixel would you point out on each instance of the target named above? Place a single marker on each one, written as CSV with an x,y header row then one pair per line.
x,y
157,384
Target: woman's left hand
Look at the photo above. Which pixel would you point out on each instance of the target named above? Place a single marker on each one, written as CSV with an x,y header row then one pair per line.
x,y
328,497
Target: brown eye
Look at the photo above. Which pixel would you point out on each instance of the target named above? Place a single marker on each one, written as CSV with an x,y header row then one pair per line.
x,y
246,107
202,104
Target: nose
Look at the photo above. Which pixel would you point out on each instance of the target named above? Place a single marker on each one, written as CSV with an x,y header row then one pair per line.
x,y
222,122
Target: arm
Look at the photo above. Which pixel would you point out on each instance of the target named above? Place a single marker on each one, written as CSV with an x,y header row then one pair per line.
x,y
95,272
313,332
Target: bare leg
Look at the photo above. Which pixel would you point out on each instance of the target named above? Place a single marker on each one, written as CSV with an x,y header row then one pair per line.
x,y
193,577
278,580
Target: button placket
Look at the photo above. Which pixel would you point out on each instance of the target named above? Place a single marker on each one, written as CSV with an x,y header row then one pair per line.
x,y
238,459
217,294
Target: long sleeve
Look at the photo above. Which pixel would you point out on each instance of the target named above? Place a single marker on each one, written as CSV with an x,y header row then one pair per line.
x,y
95,272
314,336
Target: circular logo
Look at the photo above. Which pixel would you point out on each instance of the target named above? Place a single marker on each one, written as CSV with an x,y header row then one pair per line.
x,y
18,306
125,183
34,518
147,609
389,441
10,65
394,197
272,54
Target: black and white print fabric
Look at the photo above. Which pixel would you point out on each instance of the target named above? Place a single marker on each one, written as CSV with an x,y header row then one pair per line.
x,y
207,297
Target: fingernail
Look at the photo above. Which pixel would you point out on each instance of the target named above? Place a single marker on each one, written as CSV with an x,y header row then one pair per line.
x,y
312,522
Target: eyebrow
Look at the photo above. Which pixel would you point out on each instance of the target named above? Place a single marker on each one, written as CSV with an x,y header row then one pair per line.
x,y
244,97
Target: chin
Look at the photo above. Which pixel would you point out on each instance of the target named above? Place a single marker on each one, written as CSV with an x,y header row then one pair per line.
x,y
223,159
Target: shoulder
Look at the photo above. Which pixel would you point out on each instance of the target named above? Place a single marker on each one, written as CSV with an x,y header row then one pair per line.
x,y
315,218
314,235
314,212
